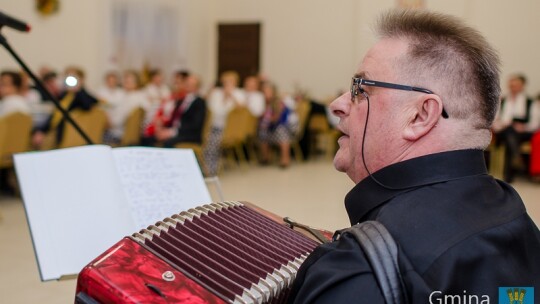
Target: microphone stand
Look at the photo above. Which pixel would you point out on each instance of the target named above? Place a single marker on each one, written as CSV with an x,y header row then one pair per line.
x,y
40,85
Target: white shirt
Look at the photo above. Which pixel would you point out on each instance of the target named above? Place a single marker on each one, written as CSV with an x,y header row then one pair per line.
x,y
14,103
40,111
255,103
516,108
33,96
221,106
155,95
289,101
111,96
118,114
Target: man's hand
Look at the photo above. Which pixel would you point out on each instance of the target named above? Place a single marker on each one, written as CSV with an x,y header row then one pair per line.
x,y
163,134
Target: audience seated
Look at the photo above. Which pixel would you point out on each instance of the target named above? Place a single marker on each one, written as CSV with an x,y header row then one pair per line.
x,y
10,91
163,113
73,97
220,102
52,84
186,122
43,109
178,116
110,92
277,126
12,102
254,97
157,93
50,81
516,120
28,91
131,98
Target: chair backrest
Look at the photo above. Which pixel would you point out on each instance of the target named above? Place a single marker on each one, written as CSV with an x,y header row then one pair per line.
x,y
252,122
93,122
302,110
318,123
235,131
15,132
133,128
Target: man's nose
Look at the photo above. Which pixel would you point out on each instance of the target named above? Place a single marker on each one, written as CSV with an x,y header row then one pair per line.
x,y
341,105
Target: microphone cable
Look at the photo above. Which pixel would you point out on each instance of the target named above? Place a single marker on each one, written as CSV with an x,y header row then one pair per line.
x,y
435,181
363,157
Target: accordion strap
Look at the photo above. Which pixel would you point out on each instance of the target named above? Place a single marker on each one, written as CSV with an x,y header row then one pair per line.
x,y
382,254
313,231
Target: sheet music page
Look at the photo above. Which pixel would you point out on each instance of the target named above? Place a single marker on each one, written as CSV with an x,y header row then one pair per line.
x,y
75,206
159,182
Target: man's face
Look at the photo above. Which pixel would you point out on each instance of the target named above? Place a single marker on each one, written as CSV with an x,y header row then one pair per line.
x,y
6,86
130,82
251,84
112,81
157,79
192,84
179,83
516,86
385,122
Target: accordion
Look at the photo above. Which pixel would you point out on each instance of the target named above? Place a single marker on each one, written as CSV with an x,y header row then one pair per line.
x,y
217,253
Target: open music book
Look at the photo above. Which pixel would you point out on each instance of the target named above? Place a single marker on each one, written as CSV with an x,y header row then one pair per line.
x,y
80,201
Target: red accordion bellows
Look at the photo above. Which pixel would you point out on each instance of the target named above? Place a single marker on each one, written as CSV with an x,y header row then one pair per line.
x,y
218,253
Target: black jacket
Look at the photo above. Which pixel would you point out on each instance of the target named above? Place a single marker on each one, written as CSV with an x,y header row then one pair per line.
x,y
82,100
192,124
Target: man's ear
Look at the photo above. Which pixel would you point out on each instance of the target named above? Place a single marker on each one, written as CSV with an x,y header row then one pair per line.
x,y
427,113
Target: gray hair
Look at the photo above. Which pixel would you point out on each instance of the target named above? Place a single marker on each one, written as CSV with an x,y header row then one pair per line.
x,y
453,56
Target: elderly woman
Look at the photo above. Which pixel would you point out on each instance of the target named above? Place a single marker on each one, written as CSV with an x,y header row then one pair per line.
x,y
278,126
221,101
132,98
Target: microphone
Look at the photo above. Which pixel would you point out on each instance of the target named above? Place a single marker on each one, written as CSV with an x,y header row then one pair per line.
x,y
13,23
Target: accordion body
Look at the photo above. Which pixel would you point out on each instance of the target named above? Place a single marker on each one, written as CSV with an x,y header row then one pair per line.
x,y
217,253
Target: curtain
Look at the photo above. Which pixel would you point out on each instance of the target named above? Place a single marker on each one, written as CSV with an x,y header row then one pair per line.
x,y
145,34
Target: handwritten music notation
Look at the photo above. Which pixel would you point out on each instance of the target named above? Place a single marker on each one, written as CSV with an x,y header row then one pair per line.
x,y
159,182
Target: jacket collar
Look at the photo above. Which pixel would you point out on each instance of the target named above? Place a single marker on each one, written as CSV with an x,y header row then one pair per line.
x,y
407,175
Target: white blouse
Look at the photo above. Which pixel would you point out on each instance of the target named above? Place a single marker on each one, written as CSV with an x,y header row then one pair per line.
x,y
221,106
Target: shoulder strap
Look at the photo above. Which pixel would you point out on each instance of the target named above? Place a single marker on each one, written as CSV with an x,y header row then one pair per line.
x,y
381,252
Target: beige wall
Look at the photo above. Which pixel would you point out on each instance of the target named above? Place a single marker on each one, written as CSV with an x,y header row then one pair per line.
x,y
315,44
71,37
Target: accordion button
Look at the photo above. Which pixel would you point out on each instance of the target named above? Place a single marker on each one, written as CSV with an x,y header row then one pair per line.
x,y
168,276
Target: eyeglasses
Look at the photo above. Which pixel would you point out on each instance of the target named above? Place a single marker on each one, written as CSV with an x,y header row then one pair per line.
x,y
357,82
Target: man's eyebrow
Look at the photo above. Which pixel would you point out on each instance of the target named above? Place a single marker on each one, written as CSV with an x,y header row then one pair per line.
x,y
363,75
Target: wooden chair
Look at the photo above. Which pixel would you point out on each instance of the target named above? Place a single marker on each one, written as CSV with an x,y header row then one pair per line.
x,y
250,128
133,128
199,148
235,134
324,136
302,110
497,158
93,122
15,133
